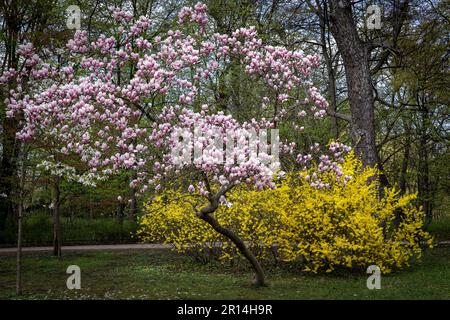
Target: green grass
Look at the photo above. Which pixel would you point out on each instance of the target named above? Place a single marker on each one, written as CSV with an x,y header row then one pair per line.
x,y
161,274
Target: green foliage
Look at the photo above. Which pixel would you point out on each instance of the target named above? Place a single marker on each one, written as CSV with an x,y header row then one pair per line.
x,y
38,230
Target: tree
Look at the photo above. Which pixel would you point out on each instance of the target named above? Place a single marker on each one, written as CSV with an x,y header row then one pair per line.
x,y
420,74
356,56
58,172
19,20
98,116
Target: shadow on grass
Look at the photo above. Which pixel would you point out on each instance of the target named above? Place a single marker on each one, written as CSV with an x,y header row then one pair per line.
x,y
161,274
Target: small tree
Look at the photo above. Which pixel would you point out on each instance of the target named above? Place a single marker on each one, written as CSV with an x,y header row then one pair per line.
x,y
59,171
111,122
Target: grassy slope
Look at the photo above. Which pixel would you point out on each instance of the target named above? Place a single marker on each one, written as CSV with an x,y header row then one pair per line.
x,y
155,274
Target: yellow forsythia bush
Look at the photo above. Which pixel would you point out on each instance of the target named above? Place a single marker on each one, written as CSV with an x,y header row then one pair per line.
x,y
343,225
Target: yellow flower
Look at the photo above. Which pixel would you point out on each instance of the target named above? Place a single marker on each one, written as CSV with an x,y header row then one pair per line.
x,y
346,225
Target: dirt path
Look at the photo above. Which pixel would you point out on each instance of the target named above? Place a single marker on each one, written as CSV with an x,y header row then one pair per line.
x,y
89,248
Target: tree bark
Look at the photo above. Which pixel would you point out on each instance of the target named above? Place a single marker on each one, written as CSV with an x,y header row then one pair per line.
x,y
259,273
120,211
132,214
19,252
56,218
322,13
205,214
356,57
133,206
19,227
405,161
8,170
9,125
399,215
423,180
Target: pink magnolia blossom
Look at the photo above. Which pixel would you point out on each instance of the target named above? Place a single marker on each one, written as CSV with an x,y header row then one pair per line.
x,y
85,107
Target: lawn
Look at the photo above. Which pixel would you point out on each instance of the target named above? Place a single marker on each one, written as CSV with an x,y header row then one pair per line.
x,y
161,274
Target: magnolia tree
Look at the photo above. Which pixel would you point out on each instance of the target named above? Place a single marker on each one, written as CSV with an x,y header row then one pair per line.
x,y
134,100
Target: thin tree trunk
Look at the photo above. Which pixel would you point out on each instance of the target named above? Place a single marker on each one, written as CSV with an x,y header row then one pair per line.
x,y
120,211
7,170
333,102
56,218
423,183
423,179
9,126
399,215
327,54
133,206
132,214
405,161
19,229
19,250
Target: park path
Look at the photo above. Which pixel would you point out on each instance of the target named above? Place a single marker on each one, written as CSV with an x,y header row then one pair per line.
x,y
103,247
112,247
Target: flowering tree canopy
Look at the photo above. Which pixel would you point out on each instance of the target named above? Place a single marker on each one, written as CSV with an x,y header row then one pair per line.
x,y
117,101
89,104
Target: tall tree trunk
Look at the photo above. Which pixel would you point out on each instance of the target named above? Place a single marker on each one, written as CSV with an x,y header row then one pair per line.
x,y
423,183
19,250
9,125
423,180
17,17
405,161
8,170
322,13
56,218
399,215
333,100
120,211
19,226
356,57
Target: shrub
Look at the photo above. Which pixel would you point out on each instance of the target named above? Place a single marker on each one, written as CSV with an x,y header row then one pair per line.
x,y
343,223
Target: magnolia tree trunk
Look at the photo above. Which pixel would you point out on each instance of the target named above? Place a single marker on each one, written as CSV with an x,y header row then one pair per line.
x,y
205,214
